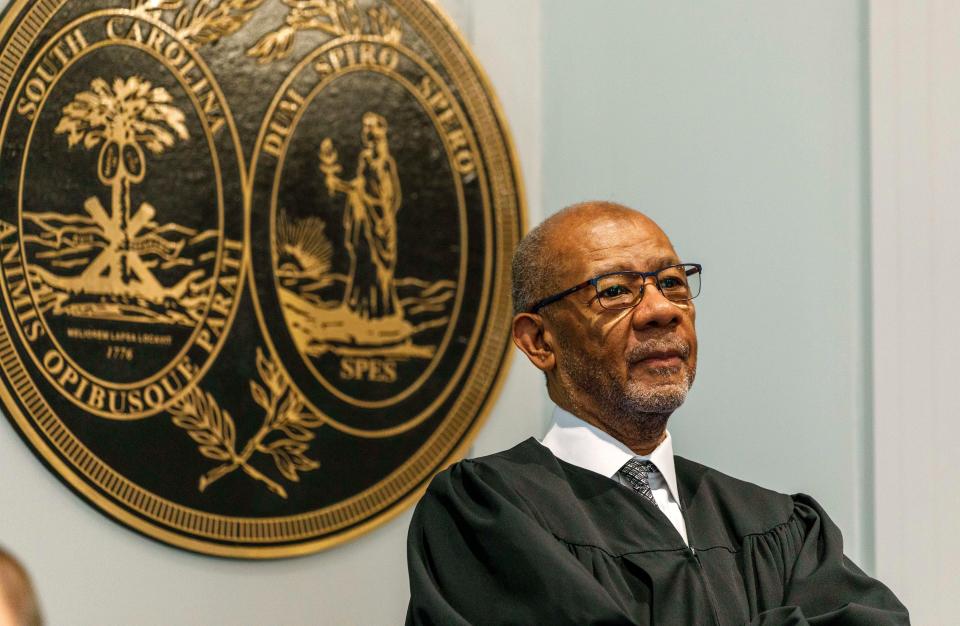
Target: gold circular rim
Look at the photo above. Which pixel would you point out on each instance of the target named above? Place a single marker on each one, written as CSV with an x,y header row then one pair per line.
x,y
515,208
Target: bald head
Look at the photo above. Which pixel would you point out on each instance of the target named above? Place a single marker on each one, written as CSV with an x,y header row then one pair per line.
x,y
543,256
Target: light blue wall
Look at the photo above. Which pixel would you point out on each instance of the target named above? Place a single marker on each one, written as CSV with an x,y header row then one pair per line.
x,y
741,128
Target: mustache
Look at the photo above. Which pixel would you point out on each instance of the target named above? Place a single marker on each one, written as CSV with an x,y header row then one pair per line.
x,y
660,345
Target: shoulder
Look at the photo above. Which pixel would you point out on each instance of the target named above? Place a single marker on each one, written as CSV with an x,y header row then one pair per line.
x,y
746,508
527,478
509,470
500,486
696,474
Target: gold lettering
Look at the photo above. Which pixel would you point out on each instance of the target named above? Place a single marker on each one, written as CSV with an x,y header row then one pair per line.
x,y
153,396
97,397
457,140
351,54
156,39
282,121
175,54
187,68
60,54
46,74
78,392
135,401
368,54
390,370
372,370
20,296
216,324
447,118
336,58
35,89
113,405
27,108
463,157
426,86
19,293
76,41
111,30
12,255
53,362
199,86
388,57
47,71
69,376
187,368
169,387
135,33
204,340
34,331
220,304
228,283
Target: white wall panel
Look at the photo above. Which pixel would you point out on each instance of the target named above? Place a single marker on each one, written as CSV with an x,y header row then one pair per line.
x,y
915,125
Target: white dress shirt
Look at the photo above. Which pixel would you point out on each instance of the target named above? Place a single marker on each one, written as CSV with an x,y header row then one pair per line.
x,y
581,444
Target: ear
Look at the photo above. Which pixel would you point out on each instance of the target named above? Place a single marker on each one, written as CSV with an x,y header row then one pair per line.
x,y
528,335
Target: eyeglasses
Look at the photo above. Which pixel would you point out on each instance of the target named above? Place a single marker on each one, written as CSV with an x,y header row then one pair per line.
x,y
623,290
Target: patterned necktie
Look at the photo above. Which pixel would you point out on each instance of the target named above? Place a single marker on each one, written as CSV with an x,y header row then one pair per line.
x,y
635,471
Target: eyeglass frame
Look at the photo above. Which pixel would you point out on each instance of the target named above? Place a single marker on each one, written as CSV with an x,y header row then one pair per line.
x,y
539,304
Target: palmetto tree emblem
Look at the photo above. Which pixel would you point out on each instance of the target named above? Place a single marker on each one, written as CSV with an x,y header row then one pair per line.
x,y
126,120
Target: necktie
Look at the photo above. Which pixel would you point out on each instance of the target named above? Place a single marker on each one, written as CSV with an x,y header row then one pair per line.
x,y
635,471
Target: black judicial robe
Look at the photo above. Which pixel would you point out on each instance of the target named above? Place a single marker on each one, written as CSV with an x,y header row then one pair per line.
x,y
521,537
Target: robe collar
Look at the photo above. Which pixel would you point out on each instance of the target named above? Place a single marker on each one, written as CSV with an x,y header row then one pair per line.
x,y
575,441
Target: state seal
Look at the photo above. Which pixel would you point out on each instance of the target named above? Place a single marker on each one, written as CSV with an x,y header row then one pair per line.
x,y
253,259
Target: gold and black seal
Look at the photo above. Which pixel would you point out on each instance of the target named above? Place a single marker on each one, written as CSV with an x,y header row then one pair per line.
x,y
253,259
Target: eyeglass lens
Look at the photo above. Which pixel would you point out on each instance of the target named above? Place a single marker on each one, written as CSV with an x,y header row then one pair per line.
x,y
623,290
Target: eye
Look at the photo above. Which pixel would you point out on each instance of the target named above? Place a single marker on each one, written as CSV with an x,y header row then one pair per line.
x,y
615,291
616,295
672,282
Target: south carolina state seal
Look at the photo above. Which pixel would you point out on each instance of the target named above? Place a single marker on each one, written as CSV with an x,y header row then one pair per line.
x,y
253,259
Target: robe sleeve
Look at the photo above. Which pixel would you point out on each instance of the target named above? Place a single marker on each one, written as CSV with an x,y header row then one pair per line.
x,y
821,586
476,555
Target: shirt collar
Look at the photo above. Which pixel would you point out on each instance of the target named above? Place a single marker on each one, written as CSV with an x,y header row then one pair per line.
x,y
575,441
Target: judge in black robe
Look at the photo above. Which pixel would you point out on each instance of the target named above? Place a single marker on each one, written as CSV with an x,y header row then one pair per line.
x,y
522,537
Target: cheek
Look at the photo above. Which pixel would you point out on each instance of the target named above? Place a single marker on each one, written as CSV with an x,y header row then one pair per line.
x,y
611,329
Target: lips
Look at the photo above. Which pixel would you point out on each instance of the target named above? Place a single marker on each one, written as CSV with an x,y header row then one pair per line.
x,y
662,359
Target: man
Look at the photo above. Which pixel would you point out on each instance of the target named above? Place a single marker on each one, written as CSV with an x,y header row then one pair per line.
x,y
601,524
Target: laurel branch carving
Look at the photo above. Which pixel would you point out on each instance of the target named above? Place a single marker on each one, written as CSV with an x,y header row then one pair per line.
x,y
206,22
339,18
284,435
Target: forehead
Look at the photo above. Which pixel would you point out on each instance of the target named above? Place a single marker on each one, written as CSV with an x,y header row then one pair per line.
x,y
610,243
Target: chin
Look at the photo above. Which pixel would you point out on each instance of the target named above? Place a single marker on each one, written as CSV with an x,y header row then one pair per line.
x,y
659,397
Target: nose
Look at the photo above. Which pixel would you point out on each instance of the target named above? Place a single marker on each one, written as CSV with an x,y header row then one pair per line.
x,y
654,309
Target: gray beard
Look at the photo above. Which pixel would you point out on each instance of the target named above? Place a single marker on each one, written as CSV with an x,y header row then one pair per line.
x,y
638,408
